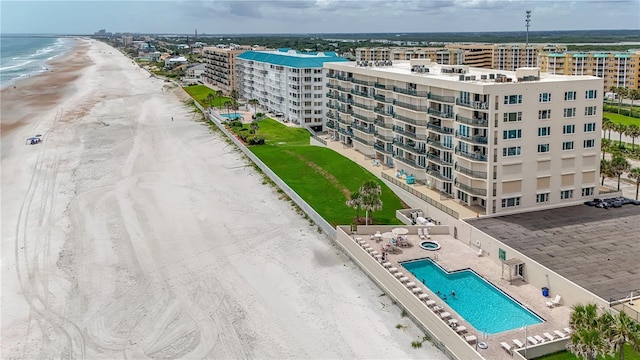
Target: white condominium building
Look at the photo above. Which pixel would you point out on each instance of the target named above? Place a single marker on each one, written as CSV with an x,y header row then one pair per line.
x,y
504,141
286,82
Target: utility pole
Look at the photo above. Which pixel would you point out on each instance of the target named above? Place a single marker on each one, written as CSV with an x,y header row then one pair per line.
x,y
526,48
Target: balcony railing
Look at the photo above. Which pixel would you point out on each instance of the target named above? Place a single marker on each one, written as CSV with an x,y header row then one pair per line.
x,y
438,144
410,148
383,137
382,111
366,129
410,106
471,156
409,162
345,132
411,92
344,121
332,75
478,105
436,174
362,106
437,159
359,93
411,121
330,105
471,190
362,82
362,117
472,121
330,124
471,173
382,86
446,99
344,99
383,124
414,136
440,129
363,141
381,148
476,139
379,97
332,86
439,113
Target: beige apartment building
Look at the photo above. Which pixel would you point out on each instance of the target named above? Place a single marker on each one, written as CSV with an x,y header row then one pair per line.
x,y
505,141
437,55
220,68
619,69
504,56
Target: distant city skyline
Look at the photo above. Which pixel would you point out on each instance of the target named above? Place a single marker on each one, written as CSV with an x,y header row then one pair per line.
x,y
313,16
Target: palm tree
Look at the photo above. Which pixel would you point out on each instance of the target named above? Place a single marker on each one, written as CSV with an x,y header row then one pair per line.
x,y
370,192
254,126
255,103
354,202
227,105
620,128
605,145
605,170
234,94
210,98
619,165
634,174
633,95
607,124
586,338
621,93
623,330
632,131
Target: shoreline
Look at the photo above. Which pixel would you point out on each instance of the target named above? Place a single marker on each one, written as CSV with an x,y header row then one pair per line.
x,y
42,91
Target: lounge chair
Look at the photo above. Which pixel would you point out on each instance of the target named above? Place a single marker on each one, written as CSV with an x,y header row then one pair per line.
x,y
410,284
518,343
445,315
539,338
555,301
568,330
479,252
559,333
421,234
461,329
423,296
430,302
403,279
506,346
471,339
549,336
532,340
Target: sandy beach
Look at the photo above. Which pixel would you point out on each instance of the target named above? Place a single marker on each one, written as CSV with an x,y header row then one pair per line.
x,y
128,235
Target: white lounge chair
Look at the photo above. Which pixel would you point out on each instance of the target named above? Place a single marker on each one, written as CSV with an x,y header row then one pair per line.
x,y
461,329
386,264
423,296
421,234
430,302
549,336
554,302
532,340
559,333
445,315
518,343
506,346
539,338
471,339
479,252
568,330
404,279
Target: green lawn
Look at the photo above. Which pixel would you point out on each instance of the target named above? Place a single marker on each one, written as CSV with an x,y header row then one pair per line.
x,y
619,118
629,354
200,92
322,177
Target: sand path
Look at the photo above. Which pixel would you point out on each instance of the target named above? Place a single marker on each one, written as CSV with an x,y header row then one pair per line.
x,y
128,235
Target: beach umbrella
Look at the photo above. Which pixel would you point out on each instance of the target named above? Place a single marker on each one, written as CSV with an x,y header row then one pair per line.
x,y
388,235
400,231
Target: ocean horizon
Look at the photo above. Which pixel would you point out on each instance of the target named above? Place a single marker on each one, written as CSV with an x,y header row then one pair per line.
x,y
22,57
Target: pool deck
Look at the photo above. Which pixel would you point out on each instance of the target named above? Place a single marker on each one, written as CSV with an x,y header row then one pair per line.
x,y
571,240
455,255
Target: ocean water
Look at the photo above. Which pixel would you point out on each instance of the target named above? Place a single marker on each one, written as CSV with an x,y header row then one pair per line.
x,y
26,56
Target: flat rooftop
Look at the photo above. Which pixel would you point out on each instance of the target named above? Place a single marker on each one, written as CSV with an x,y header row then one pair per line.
x,y
595,248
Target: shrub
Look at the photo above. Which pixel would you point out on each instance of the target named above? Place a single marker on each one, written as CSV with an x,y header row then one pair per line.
x,y
255,140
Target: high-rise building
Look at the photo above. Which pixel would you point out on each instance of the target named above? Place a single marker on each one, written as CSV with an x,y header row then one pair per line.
x,y
500,140
286,82
619,69
220,66
504,56
438,55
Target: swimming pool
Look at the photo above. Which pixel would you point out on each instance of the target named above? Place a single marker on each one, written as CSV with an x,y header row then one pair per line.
x,y
233,116
484,306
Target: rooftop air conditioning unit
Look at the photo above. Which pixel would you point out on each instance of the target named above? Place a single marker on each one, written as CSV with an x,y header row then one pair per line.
x,y
492,76
461,77
483,77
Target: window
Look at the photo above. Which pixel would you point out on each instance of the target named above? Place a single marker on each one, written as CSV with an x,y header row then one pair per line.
x,y
567,145
543,148
589,143
589,127
566,194
512,134
540,198
544,97
591,94
588,191
544,114
511,151
544,131
569,112
568,129
513,99
569,95
513,116
511,202
590,110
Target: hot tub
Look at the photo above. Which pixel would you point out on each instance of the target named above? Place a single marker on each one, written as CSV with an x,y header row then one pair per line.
x,y
430,245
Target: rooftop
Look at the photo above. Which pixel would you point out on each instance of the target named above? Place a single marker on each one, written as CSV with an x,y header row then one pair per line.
x,y
595,248
292,58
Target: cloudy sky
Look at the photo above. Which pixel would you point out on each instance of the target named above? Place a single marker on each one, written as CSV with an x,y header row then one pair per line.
x,y
313,16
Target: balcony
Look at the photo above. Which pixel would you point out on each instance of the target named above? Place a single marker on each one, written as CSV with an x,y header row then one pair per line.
x,y
439,113
438,144
411,92
383,137
379,97
359,93
436,159
411,121
410,106
381,86
332,95
471,190
330,124
381,148
472,121
436,174
471,156
344,100
344,121
365,129
470,173
440,129
382,111
362,82
409,162
330,105
414,136
363,141
440,98
475,139
363,118
332,86
381,123
362,106
345,132
478,105
410,148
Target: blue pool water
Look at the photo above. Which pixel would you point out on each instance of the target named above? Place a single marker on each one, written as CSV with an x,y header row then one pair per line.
x,y
483,305
232,116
